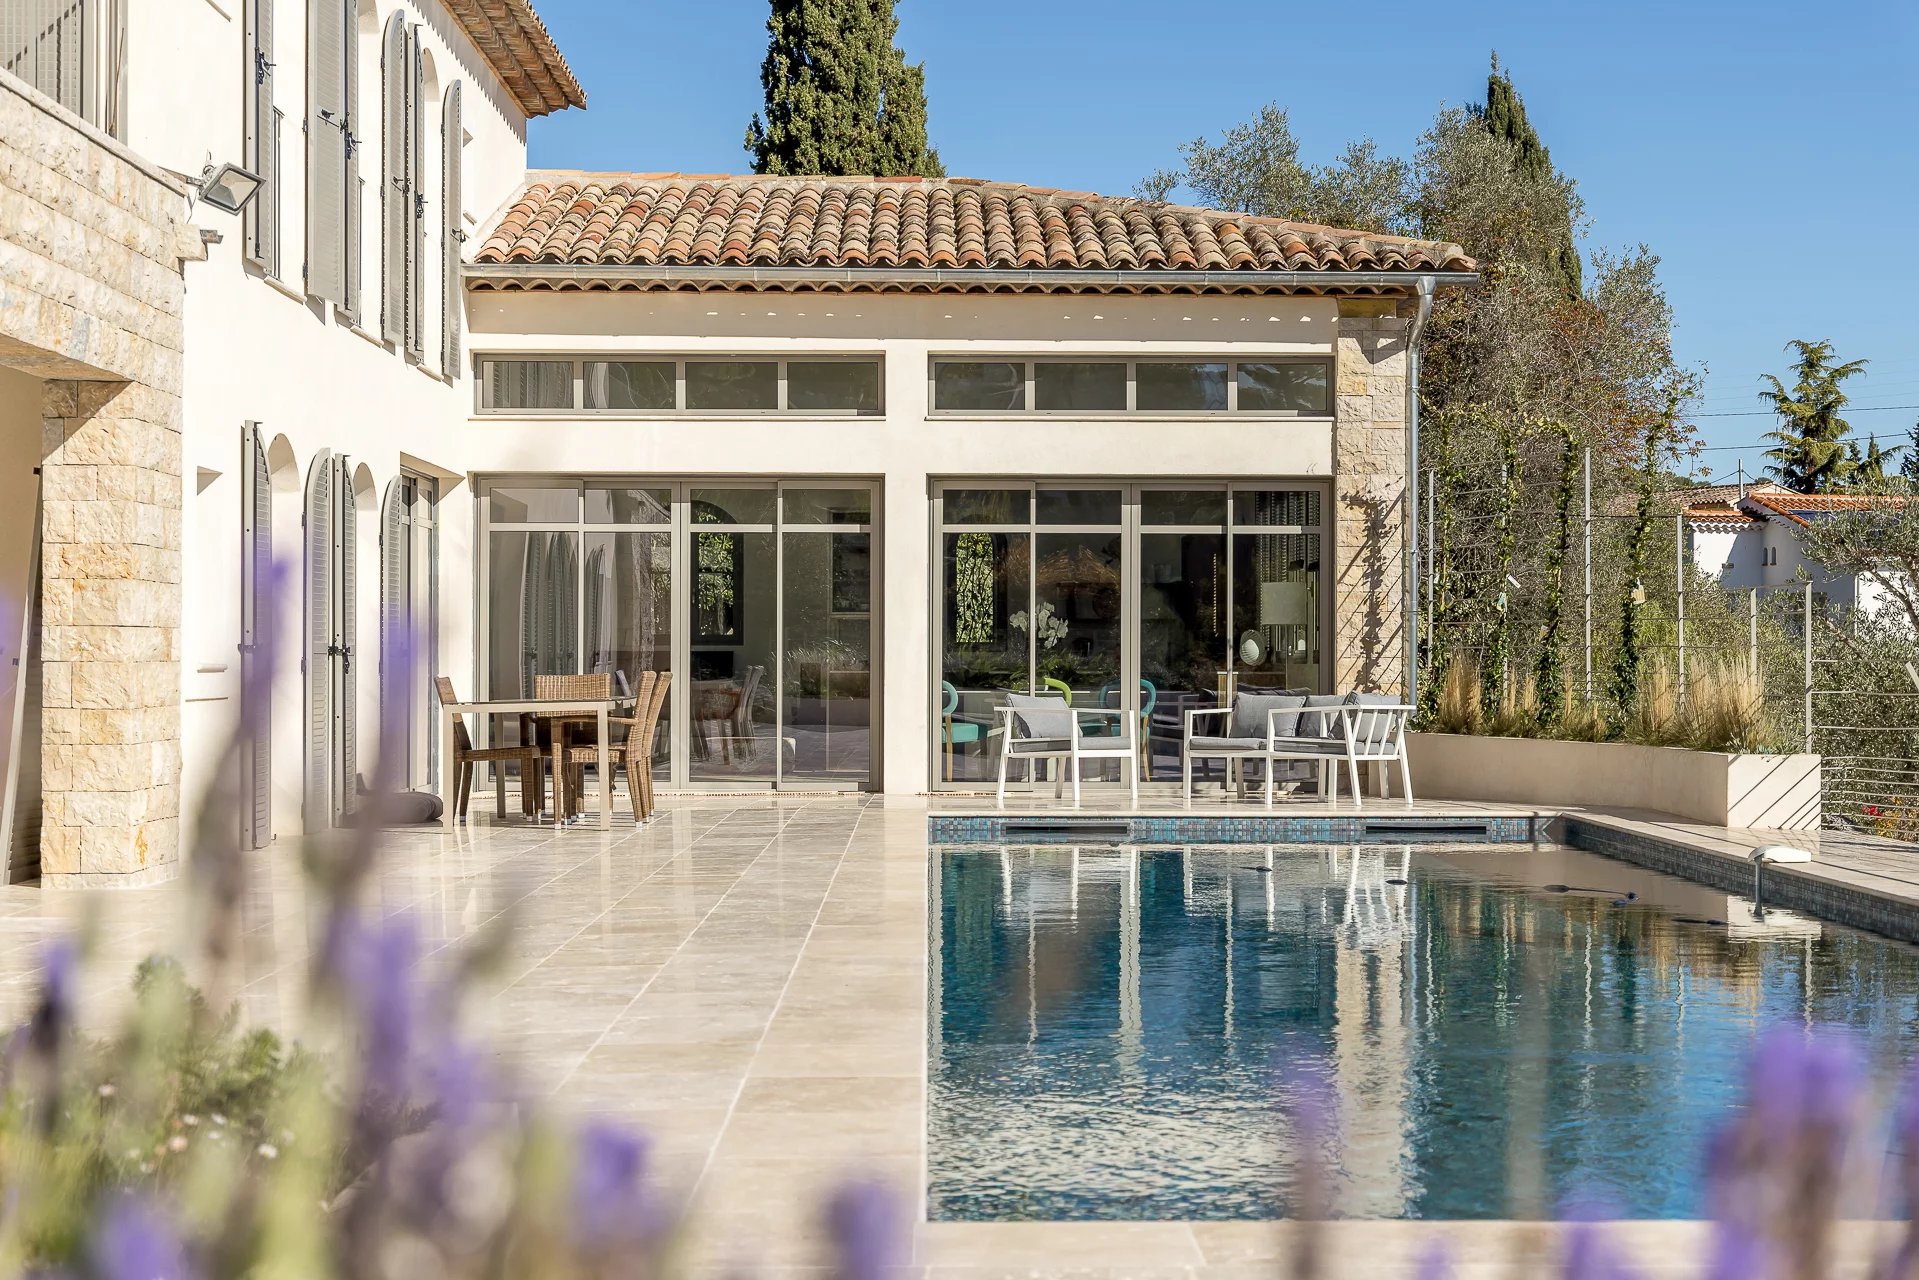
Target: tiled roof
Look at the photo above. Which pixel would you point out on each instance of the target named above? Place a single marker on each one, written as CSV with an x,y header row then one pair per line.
x,y
638,221
1797,506
515,43
1720,517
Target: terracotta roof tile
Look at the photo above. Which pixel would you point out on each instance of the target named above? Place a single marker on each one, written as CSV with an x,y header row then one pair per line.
x,y
663,220
515,43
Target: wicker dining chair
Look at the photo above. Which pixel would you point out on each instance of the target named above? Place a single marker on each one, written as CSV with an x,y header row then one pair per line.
x,y
648,715
634,752
466,755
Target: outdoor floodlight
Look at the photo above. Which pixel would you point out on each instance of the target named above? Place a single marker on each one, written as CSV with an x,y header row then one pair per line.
x,y
227,187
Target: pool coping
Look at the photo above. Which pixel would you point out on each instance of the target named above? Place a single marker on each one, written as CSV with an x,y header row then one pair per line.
x,y
1720,858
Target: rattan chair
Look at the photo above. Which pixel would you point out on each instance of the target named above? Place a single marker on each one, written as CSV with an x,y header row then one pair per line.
x,y
466,755
635,752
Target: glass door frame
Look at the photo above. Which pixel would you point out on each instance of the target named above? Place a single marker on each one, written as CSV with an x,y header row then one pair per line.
x,y
1130,528
680,528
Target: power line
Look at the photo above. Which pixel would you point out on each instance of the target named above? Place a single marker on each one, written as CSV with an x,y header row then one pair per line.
x,y
1770,413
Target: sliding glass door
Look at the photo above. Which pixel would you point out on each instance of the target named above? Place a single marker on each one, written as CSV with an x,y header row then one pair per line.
x,y
1144,599
758,596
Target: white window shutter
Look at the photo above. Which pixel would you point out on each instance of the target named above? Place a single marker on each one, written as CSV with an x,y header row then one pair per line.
x,y
395,696
395,199
452,298
256,612
416,187
346,792
351,232
329,79
316,790
262,140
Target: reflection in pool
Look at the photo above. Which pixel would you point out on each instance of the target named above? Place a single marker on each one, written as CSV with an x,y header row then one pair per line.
x,y
1503,1028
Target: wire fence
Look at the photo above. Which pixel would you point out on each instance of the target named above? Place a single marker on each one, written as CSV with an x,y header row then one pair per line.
x,y
1833,680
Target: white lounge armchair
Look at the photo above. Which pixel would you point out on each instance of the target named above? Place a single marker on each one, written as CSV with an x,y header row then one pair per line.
x,y
1038,728
1358,728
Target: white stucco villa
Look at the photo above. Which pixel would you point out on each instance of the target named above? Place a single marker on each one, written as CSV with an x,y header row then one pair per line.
x,y
1749,536
850,457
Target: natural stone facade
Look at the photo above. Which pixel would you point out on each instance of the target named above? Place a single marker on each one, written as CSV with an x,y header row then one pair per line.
x,y
91,299
1369,496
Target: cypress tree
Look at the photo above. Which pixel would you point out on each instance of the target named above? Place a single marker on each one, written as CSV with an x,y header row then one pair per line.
x,y
840,95
1504,117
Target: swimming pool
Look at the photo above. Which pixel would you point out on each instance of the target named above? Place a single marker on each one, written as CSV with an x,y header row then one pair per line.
x,y
1500,1028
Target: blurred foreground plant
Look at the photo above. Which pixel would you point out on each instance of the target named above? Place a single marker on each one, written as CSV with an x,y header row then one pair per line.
x,y
186,1148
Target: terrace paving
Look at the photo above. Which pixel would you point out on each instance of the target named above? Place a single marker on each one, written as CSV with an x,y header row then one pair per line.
x,y
745,977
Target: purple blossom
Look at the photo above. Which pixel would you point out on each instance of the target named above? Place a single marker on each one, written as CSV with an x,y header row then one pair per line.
x,y
1801,1078
134,1241
611,1203
866,1224
54,1014
1738,1253
1435,1262
1589,1256
377,967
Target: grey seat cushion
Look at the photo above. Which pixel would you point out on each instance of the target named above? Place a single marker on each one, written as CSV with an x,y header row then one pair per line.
x,y
1039,746
1250,712
1041,717
1322,725
1314,746
1373,730
1206,743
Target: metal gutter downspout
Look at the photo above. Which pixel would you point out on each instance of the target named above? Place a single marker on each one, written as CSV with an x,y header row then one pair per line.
x,y
1413,333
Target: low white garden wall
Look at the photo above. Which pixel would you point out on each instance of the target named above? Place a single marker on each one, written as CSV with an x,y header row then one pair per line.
x,y
1779,792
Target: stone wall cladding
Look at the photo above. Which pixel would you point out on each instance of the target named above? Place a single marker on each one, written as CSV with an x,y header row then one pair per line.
x,y
91,301
1369,496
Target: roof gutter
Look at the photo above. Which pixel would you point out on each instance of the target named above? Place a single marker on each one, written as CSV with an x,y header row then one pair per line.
x,y
1413,333
746,276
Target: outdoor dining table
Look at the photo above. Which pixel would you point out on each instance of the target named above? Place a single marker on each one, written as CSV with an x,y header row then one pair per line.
x,y
598,708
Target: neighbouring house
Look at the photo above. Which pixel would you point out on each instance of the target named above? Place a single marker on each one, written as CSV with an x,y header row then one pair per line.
x,y
850,457
1748,536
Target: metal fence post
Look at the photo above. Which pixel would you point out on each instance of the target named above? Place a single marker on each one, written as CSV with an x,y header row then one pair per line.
x,y
1752,632
1808,672
1432,562
1589,576
1679,594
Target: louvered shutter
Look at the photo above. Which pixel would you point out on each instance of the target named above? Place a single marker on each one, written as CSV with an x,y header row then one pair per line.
x,y
256,557
351,231
396,222
316,792
263,213
346,793
395,699
416,197
452,300
329,163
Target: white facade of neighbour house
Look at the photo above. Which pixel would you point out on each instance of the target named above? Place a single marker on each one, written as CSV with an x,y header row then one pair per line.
x,y
849,458
1750,537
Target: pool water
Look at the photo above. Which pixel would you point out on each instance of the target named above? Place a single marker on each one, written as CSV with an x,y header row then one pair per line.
x,y
1113,1030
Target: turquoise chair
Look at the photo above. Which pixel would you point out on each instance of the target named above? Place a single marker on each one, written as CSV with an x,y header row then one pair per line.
x,y
1148,699
955,732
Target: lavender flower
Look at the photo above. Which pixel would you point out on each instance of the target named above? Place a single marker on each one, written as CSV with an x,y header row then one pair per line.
x,y
135,1241
53,1016
1590,1257
865,1222
1435,1263
611,1203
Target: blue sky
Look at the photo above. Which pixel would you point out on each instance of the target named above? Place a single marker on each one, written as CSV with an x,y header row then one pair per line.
x,y
1765,150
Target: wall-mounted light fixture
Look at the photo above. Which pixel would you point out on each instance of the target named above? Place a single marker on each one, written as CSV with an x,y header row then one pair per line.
x,y
227,187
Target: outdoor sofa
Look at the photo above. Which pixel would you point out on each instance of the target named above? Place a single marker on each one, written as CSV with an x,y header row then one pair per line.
x,y
1294,727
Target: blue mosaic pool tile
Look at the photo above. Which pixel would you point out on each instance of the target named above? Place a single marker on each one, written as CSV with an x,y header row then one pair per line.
x,y
1001,828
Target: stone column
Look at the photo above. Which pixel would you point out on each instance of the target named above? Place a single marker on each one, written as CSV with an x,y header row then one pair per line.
x,y
1369,498
110,633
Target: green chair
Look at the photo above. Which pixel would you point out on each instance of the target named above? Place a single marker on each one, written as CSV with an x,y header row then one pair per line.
x,y
955,732
1065,690
1148,699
